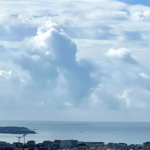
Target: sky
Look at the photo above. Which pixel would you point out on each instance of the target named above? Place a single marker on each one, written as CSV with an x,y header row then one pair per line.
x,y
135,2
75,60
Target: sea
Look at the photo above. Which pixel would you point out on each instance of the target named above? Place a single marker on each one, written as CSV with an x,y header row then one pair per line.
x,y
126,132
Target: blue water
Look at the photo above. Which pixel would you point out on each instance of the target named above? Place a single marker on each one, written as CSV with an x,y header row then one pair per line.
x,y
135,133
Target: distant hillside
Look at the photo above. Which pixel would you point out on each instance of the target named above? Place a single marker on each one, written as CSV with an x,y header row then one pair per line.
x,y
16,130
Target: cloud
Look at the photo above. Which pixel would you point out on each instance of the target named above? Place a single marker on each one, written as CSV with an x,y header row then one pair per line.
x,y
51,54
136,98
123,54
101,32
102,96
16,32
54,62
143,80
141,14
133,35
143,75
5,74
2,49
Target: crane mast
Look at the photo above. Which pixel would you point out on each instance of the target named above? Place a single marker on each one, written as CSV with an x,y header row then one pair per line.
x,y
19,138
24,137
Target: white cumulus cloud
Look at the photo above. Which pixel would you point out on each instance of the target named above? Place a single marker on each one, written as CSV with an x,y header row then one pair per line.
x,y
123,54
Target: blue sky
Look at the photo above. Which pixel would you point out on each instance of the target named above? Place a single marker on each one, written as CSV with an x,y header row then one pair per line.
x,y
136,2
74,64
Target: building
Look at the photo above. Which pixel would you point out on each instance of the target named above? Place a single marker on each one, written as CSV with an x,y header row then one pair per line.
x,y
82,146
17,145
47,143
110,145
57,141
39,145
122,145
146,145
99,144
31,144
6,148
68,144
4,144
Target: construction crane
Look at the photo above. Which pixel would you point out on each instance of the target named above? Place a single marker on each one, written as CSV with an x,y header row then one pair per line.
x,y
24,137
19,138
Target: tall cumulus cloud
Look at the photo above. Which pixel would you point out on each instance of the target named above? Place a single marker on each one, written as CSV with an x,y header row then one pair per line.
x,y
51,54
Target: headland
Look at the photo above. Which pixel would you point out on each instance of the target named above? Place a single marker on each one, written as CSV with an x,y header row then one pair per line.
x,y
16,130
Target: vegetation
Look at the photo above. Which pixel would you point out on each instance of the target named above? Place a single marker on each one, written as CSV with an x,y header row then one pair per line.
x,y
16,130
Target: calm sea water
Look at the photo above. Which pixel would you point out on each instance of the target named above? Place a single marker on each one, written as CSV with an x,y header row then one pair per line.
x,y
135,133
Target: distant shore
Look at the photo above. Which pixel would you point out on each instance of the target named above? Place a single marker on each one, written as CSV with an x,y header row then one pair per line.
x,y
16,130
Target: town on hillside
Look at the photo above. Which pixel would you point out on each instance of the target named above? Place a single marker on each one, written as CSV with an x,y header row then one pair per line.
x,y
71,145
